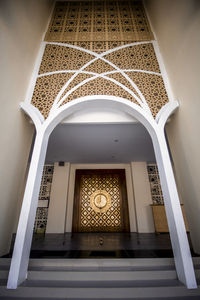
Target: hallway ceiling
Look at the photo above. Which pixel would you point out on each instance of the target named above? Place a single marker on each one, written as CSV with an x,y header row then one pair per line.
x,y
100,143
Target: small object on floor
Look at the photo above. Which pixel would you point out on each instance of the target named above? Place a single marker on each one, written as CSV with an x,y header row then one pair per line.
x,y
100,241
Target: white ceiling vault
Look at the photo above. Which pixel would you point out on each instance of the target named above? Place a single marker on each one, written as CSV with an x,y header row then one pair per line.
x,y
100,143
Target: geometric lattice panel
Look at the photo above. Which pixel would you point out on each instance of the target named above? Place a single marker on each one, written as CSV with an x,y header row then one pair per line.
x,y
99,26
97,21
106,221
57,58
99,86
45,187
138,57
44,198
141,57
99,66
78,79
120,78
41,220
46,90
152,88
154,179
100,202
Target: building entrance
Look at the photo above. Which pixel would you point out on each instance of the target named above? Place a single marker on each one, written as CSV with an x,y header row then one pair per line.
x,y
100,201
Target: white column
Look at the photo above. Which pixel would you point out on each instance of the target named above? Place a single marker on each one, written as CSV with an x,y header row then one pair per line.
x,y
143,198
179,240
20,258
58,199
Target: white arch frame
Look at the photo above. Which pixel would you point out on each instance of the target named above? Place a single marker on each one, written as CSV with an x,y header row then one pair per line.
x,y
180,245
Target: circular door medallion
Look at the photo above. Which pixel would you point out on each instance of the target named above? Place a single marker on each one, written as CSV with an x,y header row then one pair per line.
x,y
100,201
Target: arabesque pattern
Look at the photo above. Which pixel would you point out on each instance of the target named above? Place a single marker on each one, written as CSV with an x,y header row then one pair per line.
x,y
57,58
46,90
152,88
99,66
154,180
99,21
77,80
120,78
44,199
110,218
70,71
137,57
99,86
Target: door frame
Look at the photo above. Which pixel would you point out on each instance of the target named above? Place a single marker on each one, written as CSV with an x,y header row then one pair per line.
x,y
129,185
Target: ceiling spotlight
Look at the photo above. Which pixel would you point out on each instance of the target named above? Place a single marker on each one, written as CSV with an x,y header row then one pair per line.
x,y
116,141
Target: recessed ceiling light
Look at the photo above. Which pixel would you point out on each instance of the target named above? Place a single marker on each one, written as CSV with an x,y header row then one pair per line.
x,y
116,141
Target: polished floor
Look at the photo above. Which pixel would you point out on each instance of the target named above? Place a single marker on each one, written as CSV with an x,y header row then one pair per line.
x,y
100,245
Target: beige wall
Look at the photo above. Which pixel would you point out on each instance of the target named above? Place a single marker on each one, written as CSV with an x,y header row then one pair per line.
x,y
143,199
22,24
58,199
177,25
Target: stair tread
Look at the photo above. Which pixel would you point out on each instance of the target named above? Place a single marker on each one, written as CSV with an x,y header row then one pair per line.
x,y
78,279
103,276
74,263
100,293
98,275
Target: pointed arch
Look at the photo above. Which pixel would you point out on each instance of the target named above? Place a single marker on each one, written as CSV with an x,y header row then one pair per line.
x,y
182,256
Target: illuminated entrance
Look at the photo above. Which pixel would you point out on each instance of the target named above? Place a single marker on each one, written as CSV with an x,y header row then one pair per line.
x,y
100,201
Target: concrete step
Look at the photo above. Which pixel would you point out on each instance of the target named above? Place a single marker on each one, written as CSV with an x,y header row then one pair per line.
x,y
99,264
99,279
178,292
102,279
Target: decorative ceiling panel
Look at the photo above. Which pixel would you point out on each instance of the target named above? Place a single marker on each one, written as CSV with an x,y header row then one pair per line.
x,y
94,49
138,57
99,66
57,58
98,21
99,86
152,88
46,90
120,78
77,80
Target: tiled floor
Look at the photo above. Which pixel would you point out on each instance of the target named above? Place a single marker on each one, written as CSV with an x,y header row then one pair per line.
x,y
101,245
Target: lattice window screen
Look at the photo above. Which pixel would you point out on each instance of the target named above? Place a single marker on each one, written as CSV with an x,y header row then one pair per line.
x,y
154,179
43,201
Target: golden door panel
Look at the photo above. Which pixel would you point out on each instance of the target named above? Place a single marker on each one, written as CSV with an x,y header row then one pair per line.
x,y
100,203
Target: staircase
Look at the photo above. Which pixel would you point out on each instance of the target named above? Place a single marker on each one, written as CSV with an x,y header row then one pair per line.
x,y
99,279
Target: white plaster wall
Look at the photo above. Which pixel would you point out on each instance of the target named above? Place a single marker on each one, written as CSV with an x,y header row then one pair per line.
x,y
99,115
22,25
143,200
176,25
130,195
58,199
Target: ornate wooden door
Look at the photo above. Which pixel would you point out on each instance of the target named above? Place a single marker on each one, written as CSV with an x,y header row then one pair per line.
x,y
100,202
